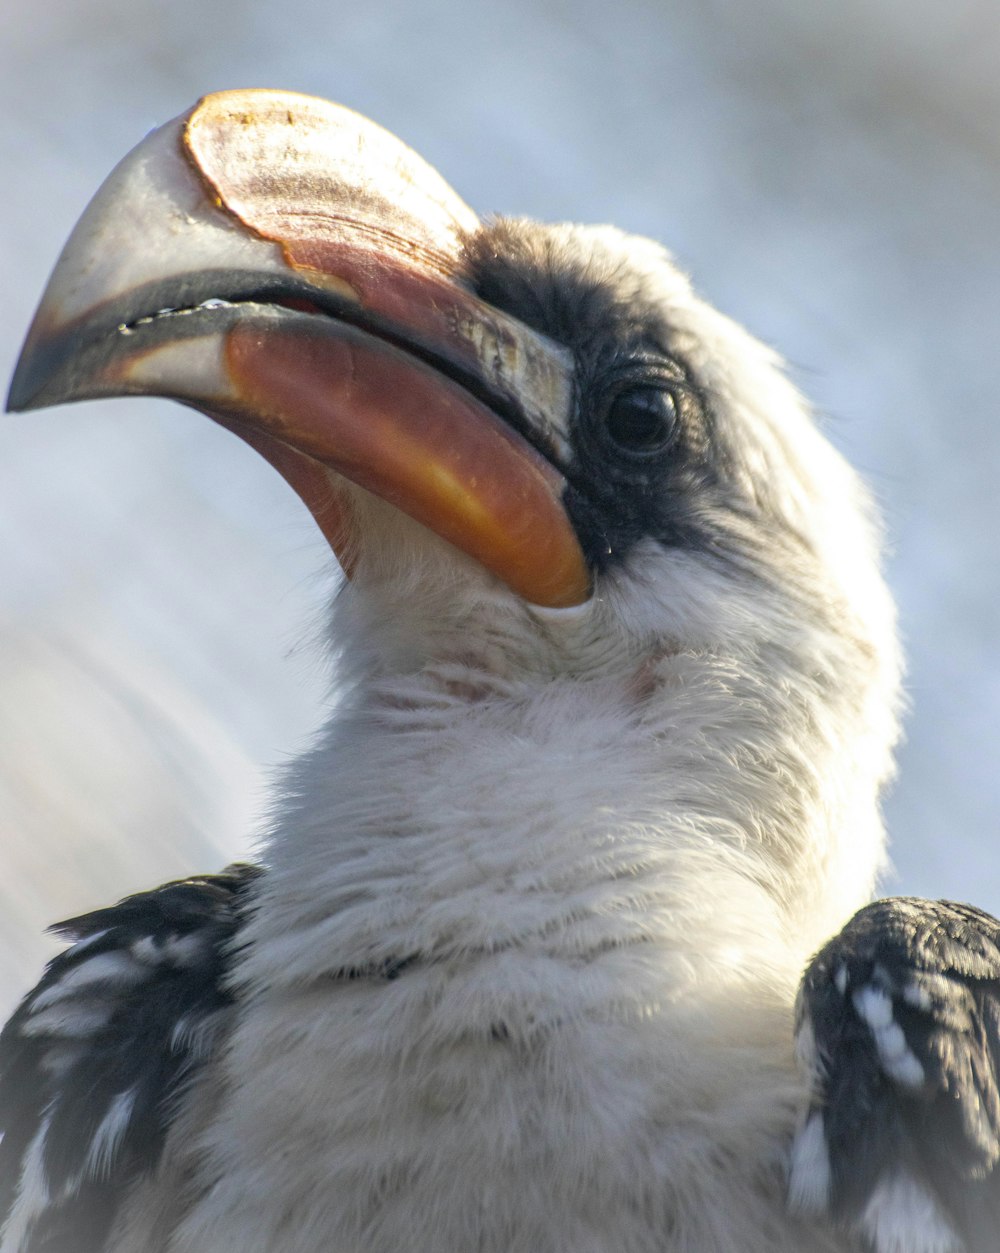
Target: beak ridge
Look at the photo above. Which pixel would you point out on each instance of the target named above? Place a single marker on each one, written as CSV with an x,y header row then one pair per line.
x,y
296,272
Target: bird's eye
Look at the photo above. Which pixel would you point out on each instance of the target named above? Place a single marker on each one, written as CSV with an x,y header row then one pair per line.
x,y
642,419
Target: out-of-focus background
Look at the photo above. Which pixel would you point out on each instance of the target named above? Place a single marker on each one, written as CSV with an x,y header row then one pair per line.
x,y
830,174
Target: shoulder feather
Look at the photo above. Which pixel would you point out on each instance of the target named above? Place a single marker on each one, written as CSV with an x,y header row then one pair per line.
x,y
899,1027
96,1056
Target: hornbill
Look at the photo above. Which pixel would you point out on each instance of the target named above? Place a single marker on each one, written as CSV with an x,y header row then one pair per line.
x,y
520,967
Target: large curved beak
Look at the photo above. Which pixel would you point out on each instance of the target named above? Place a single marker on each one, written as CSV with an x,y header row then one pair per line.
x,y
294,271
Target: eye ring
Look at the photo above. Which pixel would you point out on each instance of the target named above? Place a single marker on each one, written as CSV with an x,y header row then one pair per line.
x,y
641,420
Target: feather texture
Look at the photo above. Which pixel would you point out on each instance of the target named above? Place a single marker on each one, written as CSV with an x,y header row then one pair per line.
x,y
96,1056
899,1019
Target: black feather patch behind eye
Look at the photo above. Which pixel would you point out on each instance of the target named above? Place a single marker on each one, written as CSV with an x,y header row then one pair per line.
x,y
645,459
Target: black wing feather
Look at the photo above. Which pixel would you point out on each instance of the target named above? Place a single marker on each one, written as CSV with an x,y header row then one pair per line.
x,y
94,1057
904,1008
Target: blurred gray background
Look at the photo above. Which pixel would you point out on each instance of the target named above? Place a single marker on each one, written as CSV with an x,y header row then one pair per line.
x,y
829,173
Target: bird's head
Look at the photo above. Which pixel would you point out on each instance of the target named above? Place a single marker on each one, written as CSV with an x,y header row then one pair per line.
x,y
533,449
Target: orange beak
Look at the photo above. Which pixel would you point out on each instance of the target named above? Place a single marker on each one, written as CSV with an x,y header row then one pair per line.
x,y
295,272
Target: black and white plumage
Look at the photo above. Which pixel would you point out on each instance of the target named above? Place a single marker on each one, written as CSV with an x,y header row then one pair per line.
x,y
617,697
97,1056
899,1021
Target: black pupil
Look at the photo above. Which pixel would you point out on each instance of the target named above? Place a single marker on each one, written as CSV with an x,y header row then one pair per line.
x,y
641,420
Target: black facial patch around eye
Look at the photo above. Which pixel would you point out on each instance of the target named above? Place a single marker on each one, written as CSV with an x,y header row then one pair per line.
x,y
644,461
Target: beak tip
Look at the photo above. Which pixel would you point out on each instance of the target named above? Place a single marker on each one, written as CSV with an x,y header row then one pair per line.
x,y
53,368
35,383
22,394
35,370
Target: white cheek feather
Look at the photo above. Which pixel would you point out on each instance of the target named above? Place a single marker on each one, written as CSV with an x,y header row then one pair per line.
x,y
599,848
520,974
